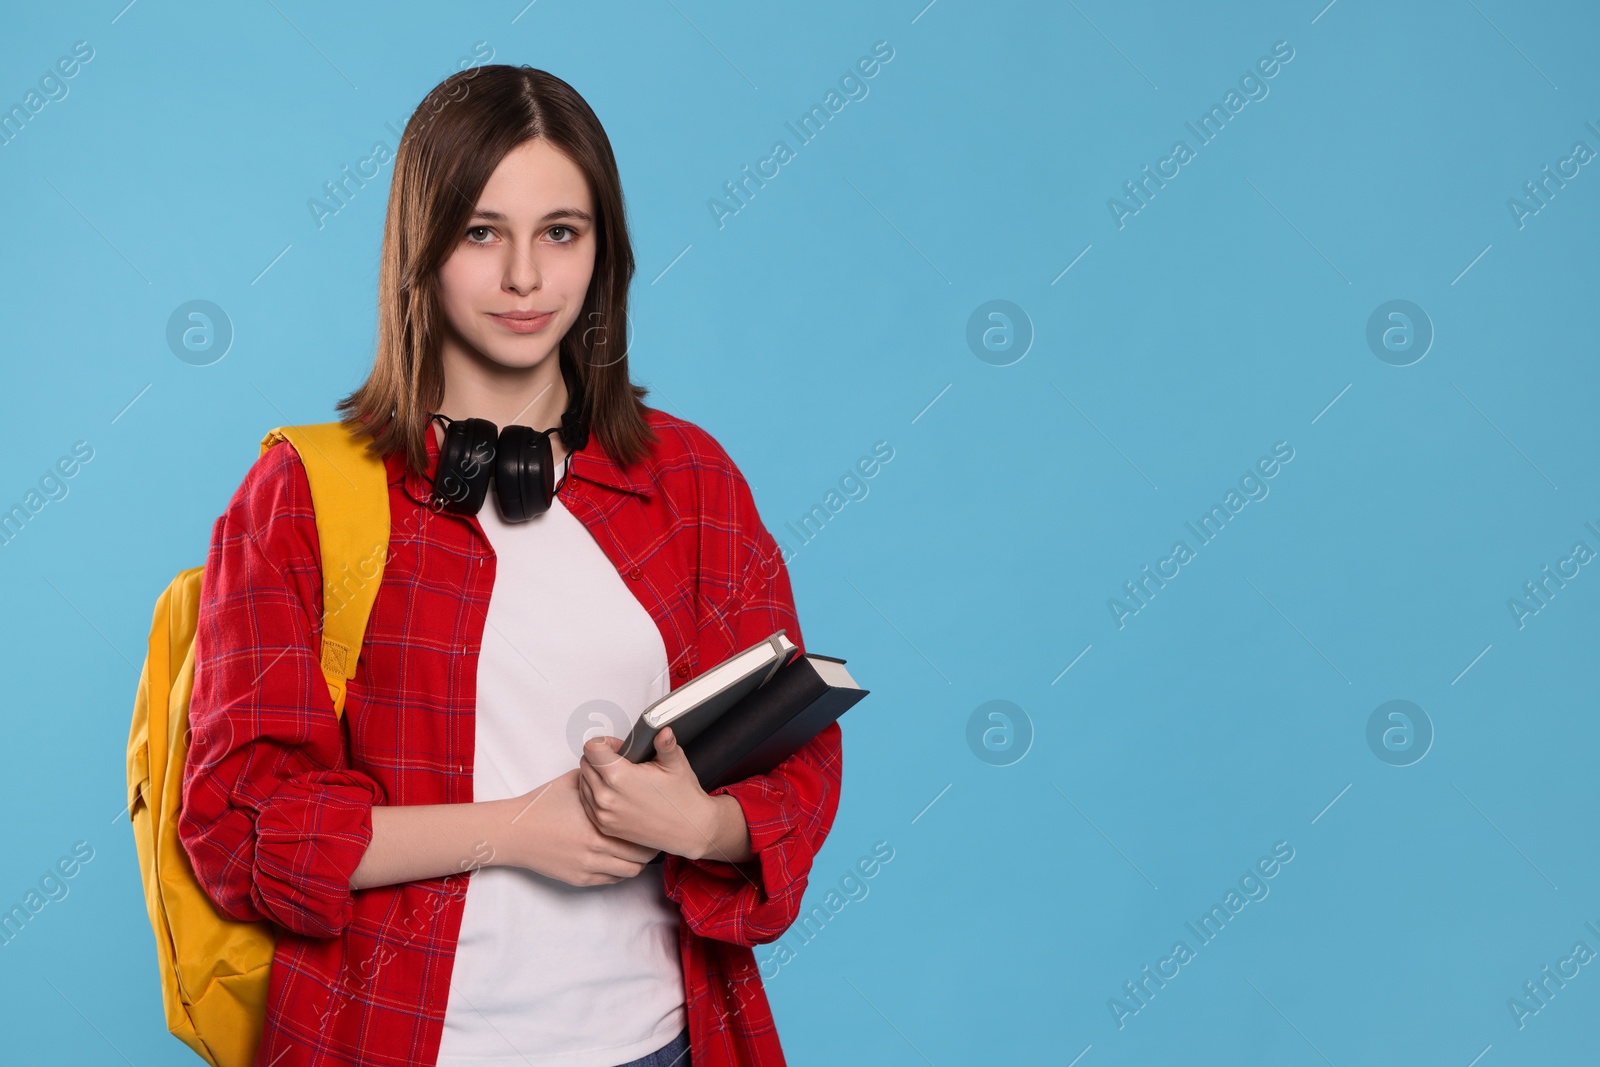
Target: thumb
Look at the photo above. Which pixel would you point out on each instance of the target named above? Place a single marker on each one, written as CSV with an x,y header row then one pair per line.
x,y
668,752
602,751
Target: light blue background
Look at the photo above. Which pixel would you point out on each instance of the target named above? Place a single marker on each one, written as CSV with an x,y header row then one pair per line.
x,y
831,313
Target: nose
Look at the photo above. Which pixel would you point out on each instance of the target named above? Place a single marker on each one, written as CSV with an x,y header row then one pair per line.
x,y
522,271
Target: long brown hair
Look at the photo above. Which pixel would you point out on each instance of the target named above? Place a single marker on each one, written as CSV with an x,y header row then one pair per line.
x,y
451,145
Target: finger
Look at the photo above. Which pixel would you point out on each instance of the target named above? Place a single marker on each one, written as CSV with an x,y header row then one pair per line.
x,y
603,751
586,798
591,807
620,868
595,777
631,851
621,847
599,756
669,753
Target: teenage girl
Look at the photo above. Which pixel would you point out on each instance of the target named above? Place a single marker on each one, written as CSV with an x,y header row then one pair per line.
x,y
458,870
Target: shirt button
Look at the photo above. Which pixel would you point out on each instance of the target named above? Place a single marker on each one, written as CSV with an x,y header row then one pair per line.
x,y
634,574
683,670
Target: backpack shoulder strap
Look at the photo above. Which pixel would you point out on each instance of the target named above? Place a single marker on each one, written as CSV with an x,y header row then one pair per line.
x,y
350,494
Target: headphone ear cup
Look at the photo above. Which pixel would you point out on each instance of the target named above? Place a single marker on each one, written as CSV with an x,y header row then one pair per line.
x,y
524,475
466,460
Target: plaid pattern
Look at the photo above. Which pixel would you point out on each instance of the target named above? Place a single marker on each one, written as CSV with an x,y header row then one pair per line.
x,y
278,795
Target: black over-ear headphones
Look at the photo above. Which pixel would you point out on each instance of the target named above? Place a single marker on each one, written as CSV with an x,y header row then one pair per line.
x,y
519,458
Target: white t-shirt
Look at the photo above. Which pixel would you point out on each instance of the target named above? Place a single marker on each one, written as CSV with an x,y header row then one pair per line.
x,y
547,973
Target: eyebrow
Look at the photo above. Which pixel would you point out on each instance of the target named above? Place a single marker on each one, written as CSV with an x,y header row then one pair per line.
x,y
558,213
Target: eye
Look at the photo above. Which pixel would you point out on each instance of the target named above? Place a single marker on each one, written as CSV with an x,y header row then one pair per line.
x,y
474,229
568,229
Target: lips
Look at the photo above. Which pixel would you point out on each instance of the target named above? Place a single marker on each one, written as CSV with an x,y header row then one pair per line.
x,y
524,321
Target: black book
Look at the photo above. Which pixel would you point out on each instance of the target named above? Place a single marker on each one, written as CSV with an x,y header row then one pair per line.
x,y
700,701
773,722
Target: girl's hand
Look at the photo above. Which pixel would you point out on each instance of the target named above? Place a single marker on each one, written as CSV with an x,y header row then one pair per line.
x,y
551,834
658,803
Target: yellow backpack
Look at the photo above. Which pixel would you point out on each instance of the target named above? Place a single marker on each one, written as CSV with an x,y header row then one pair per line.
x,y
214,970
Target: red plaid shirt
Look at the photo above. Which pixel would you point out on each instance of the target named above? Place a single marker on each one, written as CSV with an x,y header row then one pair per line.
x,y
277,796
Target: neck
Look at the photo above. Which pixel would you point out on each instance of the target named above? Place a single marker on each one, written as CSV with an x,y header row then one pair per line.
x,y
477,388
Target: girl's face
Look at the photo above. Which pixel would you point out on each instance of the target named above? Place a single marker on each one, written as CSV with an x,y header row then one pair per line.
x,y
529,247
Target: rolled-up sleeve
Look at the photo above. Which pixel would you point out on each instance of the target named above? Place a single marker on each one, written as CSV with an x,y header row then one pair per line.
x,y
790,810
273,818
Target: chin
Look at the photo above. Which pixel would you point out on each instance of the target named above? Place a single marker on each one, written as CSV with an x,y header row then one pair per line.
x,y
514,359
513,353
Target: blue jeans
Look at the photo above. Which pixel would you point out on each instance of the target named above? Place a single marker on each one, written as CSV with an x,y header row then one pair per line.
x,y
674,1053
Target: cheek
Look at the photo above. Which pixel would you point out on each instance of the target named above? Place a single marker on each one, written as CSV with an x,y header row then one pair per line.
x,y
462,282
571,277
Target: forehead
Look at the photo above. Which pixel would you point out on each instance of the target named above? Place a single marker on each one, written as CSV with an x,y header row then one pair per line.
x,y
532,181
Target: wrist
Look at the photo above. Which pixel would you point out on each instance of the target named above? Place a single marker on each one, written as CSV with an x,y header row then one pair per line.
x,y
508,827
729,840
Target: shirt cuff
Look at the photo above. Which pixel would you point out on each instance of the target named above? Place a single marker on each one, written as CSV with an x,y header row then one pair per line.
x,y
770,872
310,837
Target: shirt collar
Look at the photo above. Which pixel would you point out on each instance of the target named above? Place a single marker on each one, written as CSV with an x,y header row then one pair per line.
x,y
591,463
